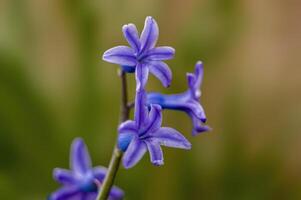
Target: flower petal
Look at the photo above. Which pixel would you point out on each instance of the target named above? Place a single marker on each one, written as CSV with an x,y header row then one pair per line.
x,y
197,109
80,158
131,35
121,55
141,76
149,35
99,173
198,127
199,73
160,53
134,153
195,80
89,196
155,152
63,176
116,193
127,130
155,119
171,138
66,193
161,71
141,111
128,126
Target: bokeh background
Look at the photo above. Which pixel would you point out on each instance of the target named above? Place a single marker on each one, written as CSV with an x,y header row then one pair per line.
x,y
55,87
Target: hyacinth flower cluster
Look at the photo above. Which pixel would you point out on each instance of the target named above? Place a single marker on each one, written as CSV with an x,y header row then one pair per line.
x,y
145,132
82,181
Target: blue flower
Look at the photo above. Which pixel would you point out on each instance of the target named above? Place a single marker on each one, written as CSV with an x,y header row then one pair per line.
x,y
187,101
142,57
146,134
82,181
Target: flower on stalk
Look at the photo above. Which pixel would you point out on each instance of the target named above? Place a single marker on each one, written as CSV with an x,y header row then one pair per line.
x,y
146,134
187,101
142,57
82,181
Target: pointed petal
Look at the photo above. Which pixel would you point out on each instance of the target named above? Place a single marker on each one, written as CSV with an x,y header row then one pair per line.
x,y
149,35
134,153
131,35
99,173
66,193
141,111
141,76
121,55
80,158
155,152
63,176
116,193
160,53
161,71
155,119
171,138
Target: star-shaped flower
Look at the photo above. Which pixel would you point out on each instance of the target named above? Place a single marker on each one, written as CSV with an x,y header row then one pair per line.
x,y
82,181
187,101
146,134
142,57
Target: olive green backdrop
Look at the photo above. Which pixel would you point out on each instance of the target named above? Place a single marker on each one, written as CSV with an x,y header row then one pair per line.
x,y
55,87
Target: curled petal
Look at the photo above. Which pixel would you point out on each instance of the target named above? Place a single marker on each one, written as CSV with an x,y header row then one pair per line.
x,y
116,193
196,108
198,127
131,35
126,130
160,53
63,176
171,138
149,35
99,173
155,152
80,159
161,71
155,119
121,55
134,153
66,193
128,127
141,76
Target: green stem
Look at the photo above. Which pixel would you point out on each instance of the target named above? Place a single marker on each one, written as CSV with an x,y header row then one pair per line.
x,y
108,182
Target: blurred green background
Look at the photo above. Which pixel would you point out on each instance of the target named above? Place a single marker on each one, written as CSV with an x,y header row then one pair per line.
x,y
55,87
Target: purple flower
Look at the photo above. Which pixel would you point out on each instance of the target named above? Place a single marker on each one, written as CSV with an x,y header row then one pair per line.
x,y
187,101
142,57
146,133
82,181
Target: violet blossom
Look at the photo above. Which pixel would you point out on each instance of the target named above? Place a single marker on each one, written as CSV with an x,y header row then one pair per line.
x,y
82,181
142,57
146,134
187,101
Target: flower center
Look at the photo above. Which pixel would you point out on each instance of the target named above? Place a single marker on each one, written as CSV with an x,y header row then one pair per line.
x,y
89,186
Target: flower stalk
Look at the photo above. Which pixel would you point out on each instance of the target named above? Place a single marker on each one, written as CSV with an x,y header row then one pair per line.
x,y
105,187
